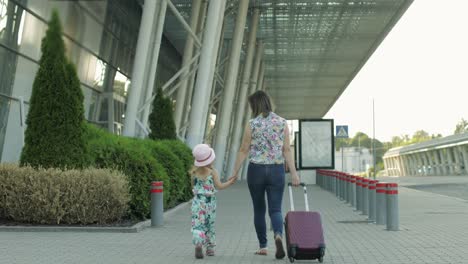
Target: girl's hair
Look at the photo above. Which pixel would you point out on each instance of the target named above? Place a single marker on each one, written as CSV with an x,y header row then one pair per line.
x,y
195,168
260,103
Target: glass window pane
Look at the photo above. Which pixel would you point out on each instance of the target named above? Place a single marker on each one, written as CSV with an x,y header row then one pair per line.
x,y
121,84
12,134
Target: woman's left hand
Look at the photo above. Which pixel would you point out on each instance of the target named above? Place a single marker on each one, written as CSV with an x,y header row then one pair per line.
x,y
295,179
232,179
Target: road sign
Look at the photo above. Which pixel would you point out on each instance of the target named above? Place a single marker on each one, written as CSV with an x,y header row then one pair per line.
x,y
342,132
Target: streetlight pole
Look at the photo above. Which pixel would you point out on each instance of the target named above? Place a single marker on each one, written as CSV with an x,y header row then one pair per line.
x,y
359,149
373,137
342,155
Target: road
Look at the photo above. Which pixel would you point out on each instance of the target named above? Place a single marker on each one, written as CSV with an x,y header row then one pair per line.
x,y
453,186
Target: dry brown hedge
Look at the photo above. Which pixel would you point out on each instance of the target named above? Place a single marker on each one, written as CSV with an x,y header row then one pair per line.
x,y
53,196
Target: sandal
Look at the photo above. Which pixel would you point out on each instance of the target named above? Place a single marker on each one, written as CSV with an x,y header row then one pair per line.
x,y
210,252
279,248
198,252
261,251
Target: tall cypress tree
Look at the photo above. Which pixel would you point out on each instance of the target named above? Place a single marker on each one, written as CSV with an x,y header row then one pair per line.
x,y
55,124
161,118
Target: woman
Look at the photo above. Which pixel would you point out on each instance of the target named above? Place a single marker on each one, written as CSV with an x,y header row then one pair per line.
x,y
266,142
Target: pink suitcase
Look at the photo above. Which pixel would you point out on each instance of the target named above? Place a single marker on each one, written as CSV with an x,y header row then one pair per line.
x,y
304,232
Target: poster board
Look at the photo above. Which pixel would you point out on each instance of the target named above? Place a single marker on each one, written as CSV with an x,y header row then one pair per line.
x,y
316,144
296,149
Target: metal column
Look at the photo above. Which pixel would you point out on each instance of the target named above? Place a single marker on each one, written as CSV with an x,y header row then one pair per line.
x,y
217,80
139,66
261,76
436,157
405,165
412,165
188,99
188,54
426,163
256,68
204,82
464,152
254,77
451,162
156,46
238,129
253,87
443,162
224,118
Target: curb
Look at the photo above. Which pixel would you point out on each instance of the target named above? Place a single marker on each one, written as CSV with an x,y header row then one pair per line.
x,y
136,228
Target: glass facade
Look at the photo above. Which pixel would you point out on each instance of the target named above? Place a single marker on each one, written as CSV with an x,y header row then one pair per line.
x,y
100,38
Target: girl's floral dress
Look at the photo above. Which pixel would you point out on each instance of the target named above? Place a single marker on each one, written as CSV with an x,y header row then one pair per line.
x,y
204,212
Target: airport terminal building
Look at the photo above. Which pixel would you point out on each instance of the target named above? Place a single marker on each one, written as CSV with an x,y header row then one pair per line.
x,y
208,56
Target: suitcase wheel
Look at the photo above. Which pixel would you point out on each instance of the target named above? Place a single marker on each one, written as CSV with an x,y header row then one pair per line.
x,y
322,253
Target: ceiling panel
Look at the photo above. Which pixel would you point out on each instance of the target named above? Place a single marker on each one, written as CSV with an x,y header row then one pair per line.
x,y
313,48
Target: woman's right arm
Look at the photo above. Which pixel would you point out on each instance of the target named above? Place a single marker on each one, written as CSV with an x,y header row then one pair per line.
x,y
287,154
243,151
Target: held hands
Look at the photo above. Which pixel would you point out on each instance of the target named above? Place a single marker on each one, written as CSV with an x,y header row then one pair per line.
x,y
232,180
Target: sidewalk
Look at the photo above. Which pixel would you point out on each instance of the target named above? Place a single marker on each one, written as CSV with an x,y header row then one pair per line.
x,y
434,230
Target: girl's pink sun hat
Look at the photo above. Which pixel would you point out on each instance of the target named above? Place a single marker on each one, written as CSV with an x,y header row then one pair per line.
x,y
203,154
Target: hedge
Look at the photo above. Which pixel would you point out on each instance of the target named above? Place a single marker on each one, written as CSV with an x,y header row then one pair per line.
x,y
54,196
174,168
185,154
143,161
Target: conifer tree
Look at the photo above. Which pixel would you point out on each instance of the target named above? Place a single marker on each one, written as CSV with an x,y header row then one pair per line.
x,y
161,118
55,134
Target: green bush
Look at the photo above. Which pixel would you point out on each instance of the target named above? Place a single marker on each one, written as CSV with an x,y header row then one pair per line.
x,y
53,196
182,151
144,161
54,137
132,159
174,168
161,118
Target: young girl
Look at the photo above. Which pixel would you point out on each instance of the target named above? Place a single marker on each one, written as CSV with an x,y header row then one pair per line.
x,y
205,181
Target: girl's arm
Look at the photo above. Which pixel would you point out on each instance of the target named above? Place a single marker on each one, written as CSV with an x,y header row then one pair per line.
x,y
243,151
218,184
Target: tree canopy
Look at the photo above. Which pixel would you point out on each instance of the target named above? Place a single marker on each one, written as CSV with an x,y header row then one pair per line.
x,y
461,127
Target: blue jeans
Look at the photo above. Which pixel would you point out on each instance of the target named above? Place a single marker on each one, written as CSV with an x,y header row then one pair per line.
x,y
267,178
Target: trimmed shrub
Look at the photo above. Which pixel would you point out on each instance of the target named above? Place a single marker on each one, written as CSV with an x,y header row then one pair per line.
x,y
183,152
53,196
174,168
131,157
144,161
161,118
54,136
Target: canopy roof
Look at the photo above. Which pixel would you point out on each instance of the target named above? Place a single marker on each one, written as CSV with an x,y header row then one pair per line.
x,y
313,48
438,143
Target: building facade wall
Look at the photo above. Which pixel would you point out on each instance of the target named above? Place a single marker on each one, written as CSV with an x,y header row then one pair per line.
x,y
100,39
355,160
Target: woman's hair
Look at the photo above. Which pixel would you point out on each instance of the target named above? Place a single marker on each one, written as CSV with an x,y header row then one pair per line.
x,y
260,103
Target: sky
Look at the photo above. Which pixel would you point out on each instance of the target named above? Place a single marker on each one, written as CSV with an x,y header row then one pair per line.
x,y
418,76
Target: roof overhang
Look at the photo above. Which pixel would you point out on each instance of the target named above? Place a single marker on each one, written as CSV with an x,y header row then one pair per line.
x,y
313,48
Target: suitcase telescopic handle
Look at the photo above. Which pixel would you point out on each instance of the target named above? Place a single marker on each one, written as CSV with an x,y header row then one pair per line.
x,y
291,200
